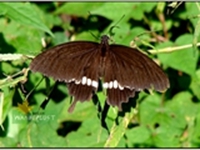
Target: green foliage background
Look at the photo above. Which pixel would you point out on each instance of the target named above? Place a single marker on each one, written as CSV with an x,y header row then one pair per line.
x,y
171,119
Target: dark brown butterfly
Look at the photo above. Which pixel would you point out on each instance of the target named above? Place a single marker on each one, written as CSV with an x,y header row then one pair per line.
x,y
81,64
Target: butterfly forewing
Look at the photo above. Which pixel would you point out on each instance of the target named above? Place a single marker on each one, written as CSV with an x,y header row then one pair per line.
x,y
65,62
141,72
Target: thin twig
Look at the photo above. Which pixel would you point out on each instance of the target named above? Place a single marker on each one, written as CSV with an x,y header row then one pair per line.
x,y
171,49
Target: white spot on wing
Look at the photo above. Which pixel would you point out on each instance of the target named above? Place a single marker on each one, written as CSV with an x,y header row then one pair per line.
x,y
115,84
110,85
105,85
71,80
77,82
121,87
131,88
84,80
89,81
95,84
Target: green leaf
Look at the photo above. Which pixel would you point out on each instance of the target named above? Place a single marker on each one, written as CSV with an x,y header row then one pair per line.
x,y
195,84
5,104
1,110
108,10
192,12
16,122
91,134
19,39
138,136
8,142
84,8
40,135
194,133
166,121
183,60
24,14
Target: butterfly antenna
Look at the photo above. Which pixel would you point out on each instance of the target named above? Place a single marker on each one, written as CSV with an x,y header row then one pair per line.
x,y
111,33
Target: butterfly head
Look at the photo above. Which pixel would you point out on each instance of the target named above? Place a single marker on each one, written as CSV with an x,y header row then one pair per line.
x,y
104,40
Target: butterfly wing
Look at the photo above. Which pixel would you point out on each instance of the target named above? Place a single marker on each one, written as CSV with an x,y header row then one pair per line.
x,y
128,71
79,64
65,62
76,63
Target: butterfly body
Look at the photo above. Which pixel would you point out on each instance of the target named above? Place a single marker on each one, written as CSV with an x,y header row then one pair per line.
x,y
81,64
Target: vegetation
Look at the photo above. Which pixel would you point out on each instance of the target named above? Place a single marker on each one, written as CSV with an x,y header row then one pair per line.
x,y
169,34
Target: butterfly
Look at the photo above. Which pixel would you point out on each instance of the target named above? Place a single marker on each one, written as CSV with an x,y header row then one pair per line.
x,y
81,64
